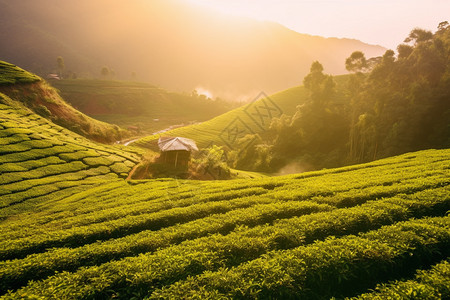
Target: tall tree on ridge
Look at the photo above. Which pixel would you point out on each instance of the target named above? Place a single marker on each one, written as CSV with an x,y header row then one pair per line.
x,y
61,66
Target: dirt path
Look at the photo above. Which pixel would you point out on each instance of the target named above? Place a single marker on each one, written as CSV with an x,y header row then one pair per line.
x,y
131,141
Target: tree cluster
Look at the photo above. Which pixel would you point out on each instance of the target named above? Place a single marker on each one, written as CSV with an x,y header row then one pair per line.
x,y
389,105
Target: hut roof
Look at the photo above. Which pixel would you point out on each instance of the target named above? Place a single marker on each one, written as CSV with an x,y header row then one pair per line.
x,y
176,144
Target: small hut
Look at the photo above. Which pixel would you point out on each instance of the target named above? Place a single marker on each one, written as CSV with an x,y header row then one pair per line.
x,y
176,151
53,77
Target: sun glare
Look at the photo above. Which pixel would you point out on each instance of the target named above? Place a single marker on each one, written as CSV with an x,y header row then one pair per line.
x,y
202,91
341,18
234,8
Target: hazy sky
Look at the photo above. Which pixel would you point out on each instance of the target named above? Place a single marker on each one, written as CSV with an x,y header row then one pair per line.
x,y
382,22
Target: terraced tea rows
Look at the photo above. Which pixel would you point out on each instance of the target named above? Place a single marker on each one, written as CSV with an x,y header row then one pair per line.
x,y
39,159
11,74
274,237
427,284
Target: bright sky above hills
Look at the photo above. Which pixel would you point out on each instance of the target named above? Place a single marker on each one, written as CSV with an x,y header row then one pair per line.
x,y
383,22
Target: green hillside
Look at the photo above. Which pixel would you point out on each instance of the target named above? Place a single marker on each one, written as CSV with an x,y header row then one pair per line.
x,y
11,74
23,89
227,129
40,160
390,105
145,106
332,233
230,129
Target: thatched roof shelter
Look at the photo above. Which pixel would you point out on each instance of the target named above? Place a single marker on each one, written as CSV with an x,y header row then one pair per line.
x,y
176,144
176,150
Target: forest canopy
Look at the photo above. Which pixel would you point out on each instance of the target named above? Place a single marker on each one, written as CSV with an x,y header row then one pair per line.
x,y
388,105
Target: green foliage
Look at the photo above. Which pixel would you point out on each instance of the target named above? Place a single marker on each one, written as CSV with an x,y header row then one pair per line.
x,y
321,86
403,101
356,62
391,105
70,228
214,130
211,161
399,106
11,74
43,111
60,65
40,158
46,101
418,35
427,284
105,72
272,237
322,269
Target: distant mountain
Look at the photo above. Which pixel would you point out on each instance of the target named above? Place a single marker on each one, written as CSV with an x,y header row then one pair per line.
x,y
169,43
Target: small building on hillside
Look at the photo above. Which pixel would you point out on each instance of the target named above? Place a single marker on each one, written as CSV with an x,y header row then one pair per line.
x,y
176,151
135,129
53,77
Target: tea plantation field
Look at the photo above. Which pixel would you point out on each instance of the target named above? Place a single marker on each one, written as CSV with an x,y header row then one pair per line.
x,y
71,227
40,160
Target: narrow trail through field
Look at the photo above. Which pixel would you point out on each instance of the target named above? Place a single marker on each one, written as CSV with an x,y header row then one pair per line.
x,y
129,142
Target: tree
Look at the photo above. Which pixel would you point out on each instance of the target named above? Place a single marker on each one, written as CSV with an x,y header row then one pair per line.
x,y
404,51
320,85
418,35
105,71
60,65
443,26
356,62
373,62
389,57
315,78
211,162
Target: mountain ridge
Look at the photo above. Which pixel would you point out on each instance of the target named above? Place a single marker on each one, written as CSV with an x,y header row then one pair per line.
x,y
232,59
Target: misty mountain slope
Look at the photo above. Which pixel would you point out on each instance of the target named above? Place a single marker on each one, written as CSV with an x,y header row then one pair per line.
x,y
148,107
168,43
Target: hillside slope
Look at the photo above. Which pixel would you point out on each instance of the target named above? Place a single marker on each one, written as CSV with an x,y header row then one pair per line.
x,y
231,128
26,89
11,74
170,43
330,233
127,103
40,160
